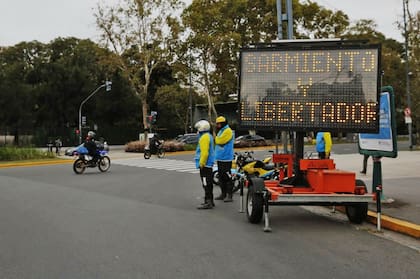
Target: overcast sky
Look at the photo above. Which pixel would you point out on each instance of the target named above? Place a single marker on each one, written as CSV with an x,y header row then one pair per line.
x,y
45,20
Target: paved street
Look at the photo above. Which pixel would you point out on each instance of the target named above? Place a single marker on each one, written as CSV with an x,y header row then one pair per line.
x,y
138,222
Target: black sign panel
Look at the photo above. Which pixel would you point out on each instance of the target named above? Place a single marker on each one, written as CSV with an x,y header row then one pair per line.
x,y
310,88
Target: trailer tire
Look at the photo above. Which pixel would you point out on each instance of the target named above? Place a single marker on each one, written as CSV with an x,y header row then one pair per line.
x,y
361,183
254,206
357,213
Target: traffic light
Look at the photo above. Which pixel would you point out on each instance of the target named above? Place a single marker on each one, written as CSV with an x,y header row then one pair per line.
x,y
154,116
108,85
77,131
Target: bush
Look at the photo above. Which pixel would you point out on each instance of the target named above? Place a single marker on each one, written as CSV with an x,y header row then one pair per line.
x,y
245,144
189,147
23,153
135,146
172,146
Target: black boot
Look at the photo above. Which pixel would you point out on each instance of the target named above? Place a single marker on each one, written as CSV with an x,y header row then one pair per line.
x,y
211,202
221,197
228,198
205,205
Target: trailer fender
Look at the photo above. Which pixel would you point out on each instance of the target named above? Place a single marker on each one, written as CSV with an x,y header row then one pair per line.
x,y
257,184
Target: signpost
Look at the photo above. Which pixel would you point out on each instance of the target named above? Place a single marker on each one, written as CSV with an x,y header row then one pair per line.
x,y
310,87
107,85
329,85
304,86
382,144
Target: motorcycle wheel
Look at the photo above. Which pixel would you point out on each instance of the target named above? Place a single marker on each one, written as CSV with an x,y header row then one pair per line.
x,y
235,185
161,153
79,166
104,164
216,177
147,154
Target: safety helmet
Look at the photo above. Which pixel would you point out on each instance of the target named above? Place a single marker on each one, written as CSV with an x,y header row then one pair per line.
x,y
202,126
91,134
220,119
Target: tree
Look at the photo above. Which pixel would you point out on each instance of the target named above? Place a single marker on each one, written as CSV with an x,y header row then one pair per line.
x,y
16,100
316,22
218,29
173,102
42,86
141,33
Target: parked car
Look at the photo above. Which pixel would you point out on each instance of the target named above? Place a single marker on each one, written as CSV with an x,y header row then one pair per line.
x,y
181,137
250,140
191,139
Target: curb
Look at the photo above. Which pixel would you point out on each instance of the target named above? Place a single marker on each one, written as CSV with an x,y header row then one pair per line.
x,y
391,223
34,164
395,224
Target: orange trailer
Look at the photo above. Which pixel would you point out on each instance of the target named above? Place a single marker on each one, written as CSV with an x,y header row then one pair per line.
x,y
319,183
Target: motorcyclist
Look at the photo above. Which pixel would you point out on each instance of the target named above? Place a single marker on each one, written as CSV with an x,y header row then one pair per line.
x,y
154,144
90,145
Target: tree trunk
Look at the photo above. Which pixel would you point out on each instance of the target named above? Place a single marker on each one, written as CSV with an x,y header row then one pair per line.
x,y
144,109
211,107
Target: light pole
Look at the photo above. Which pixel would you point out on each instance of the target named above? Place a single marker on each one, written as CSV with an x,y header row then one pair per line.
x,y
107,86
190,94
288,16
407,75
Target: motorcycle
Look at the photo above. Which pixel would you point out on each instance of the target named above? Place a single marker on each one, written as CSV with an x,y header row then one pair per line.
x,y
85,161
159,151
245,165
235,176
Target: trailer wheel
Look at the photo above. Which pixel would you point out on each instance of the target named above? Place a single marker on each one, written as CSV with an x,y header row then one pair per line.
x,y
357,213
254,206
361,183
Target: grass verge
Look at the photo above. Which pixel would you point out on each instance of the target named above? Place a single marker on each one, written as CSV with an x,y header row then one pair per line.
x,y
10,154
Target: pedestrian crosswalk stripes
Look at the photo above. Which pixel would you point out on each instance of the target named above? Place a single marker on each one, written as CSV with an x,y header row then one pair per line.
x,y
160,164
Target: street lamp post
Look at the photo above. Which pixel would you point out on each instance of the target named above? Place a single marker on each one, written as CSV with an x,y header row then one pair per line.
x,y
407,75
107,86
190,110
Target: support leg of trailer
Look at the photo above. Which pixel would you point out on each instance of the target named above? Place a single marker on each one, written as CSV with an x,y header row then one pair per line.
x,y
267,227
241,196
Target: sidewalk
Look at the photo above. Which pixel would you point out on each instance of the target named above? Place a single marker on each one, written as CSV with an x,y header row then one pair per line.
x,y
400,181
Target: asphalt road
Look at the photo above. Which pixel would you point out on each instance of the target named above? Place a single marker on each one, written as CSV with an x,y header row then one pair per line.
x,y
142,223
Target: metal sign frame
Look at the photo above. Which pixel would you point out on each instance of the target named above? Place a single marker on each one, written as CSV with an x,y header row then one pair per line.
x,y
297,45
388,126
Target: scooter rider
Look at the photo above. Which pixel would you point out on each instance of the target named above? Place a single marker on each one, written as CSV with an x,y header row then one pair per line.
x,y
204,160
154,144
224,156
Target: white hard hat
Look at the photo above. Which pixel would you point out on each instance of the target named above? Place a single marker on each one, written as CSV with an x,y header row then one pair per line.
x,y
202,126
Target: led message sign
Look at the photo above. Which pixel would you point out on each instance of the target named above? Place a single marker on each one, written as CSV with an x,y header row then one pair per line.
x,y
310,88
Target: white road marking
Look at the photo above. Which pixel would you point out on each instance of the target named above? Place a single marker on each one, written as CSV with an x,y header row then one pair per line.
x,y
160,164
